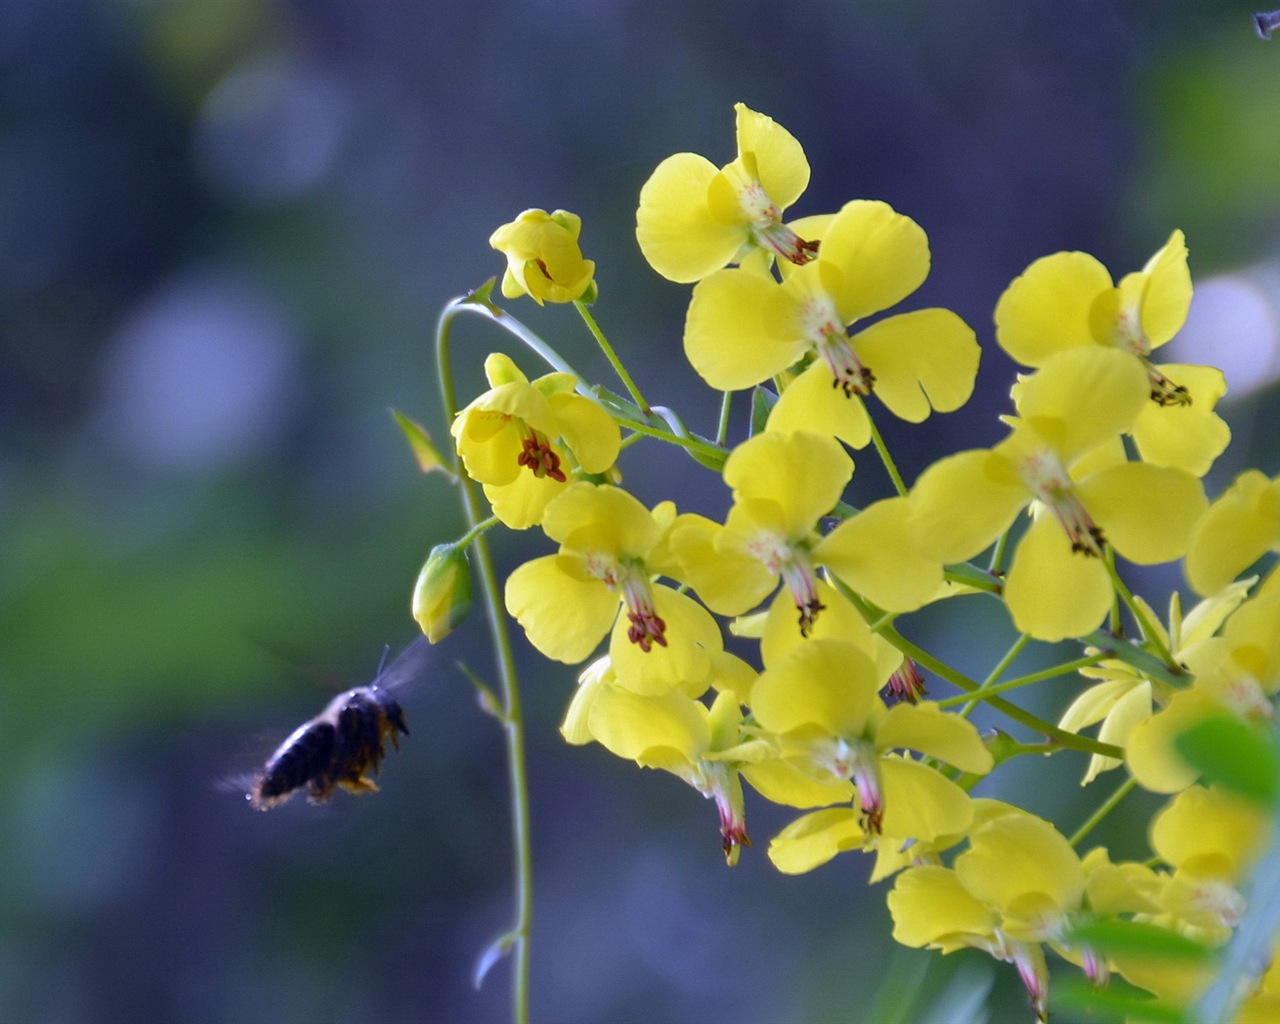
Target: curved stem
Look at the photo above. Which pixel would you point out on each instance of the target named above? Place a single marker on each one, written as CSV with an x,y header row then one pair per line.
x,y
513,720
1065,668
611,355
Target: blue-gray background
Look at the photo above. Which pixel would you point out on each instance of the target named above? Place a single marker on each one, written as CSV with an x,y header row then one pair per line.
x,y
226,228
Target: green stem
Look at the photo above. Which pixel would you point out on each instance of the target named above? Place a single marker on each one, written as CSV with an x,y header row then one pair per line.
x,y
611,355
1065,668
477,530
997,555
1149,631
722,429
513,721
1010,655
889,465
1108,805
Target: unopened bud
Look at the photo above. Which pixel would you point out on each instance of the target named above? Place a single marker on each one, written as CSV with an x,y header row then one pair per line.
x,y
442,595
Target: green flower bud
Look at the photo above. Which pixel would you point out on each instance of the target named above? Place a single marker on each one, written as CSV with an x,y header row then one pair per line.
x,y
442,595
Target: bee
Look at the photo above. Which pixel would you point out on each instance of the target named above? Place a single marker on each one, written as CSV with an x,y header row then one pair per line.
x,y
344,745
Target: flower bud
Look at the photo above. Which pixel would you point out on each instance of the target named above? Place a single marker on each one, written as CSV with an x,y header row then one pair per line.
x,y
442,595
543,258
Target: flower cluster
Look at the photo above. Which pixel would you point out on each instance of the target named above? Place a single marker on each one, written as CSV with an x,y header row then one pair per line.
x,y
821,706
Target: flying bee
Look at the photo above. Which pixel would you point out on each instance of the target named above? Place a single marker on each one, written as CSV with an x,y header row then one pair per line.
x,y
344,745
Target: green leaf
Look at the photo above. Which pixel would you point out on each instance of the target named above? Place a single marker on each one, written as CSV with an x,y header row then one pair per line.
x,y
1233,754
1112,935
424,450
762,402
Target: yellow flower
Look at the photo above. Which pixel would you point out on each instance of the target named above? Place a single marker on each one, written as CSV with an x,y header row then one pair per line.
x,y
1067,301
744,327
523,440
694,219
543,258
567,602
704,746
820,702
1060,459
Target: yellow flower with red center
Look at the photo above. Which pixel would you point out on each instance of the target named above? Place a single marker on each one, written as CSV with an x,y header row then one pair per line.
x,y
523,440
607,561
1067,301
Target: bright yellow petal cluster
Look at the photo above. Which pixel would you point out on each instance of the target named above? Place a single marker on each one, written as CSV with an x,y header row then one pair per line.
x,y
1067,301
543,258
1056,460
567,602
694,219
522,441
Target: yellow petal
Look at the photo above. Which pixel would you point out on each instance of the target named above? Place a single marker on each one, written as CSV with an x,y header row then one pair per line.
x,y
729,580
658,731
926,728
1202,824
1167,295
1152,758
920,802
780,161
810,403
564,618
600,519
962,503
726,338
1046,309
1238,528
814,839
1186,437
1052,592
522,503
882,255
929,905
590,432
781,782
804,473
1082,397
873,553
825,683
1146,512
674,225
1017,856
839,620
922,361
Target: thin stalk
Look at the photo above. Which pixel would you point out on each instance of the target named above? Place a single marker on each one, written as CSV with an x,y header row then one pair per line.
x,y
722,429
1149,631
1035,677
612,356
890,466
1107,806
1010,655
513,721
997,555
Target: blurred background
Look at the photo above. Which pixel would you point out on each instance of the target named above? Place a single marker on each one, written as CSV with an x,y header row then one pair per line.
x,y
226,229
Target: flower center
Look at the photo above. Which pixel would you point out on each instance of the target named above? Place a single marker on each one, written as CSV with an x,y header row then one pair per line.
x,y
1047,478
906,684
832,344
647,627
541,459
1164,391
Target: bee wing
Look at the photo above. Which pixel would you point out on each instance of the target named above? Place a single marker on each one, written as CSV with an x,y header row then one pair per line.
x,y
407,666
